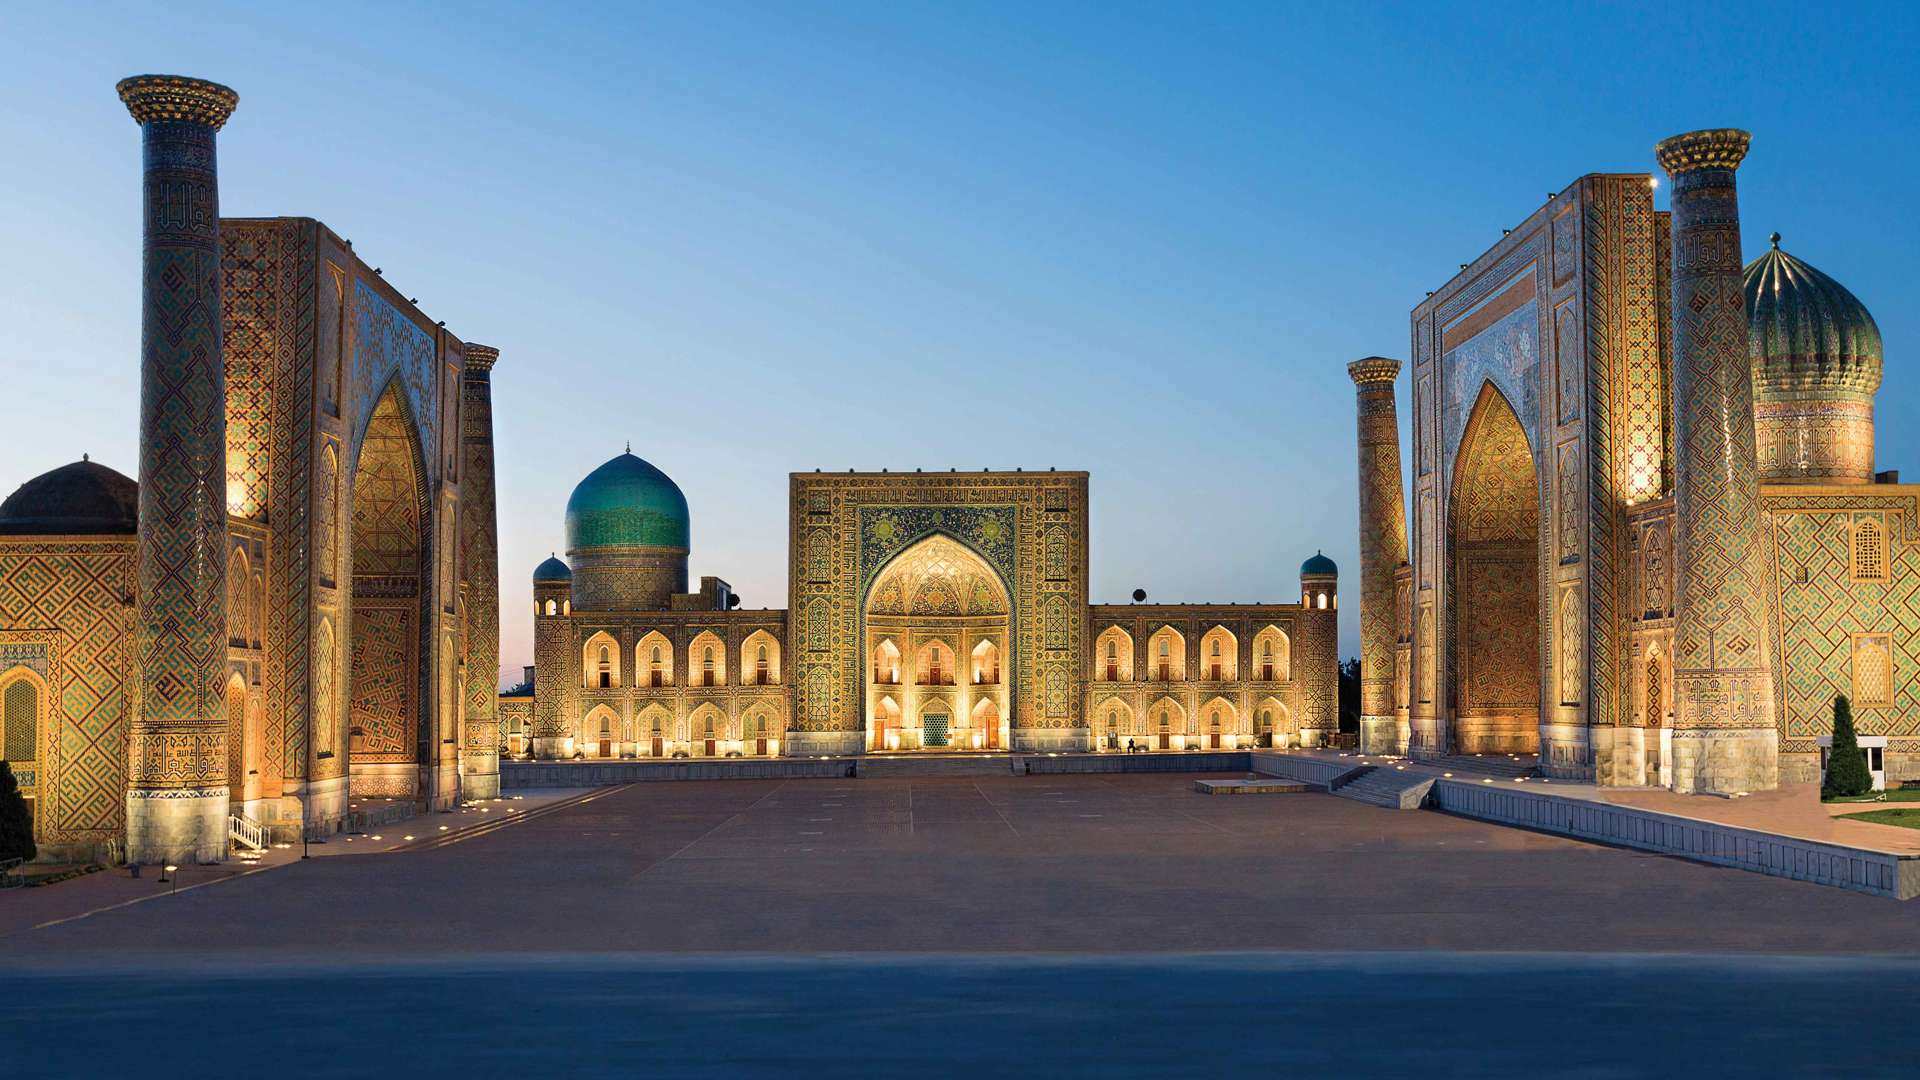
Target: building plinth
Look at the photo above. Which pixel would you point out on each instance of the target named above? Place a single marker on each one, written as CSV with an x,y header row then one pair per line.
x,y
177,775
1724,739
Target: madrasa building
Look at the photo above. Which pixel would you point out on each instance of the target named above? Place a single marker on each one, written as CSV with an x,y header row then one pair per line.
x,y
295,606
1648,542
927,612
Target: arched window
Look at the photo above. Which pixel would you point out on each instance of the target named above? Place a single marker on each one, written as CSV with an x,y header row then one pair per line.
x,y
601,659
1322,602
760,665
553,608
655,654
21,706
239,580
713,659
1116,653
325,723
1869,554
1273,647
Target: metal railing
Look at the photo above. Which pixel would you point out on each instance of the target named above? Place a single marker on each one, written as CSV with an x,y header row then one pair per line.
x,y
242,829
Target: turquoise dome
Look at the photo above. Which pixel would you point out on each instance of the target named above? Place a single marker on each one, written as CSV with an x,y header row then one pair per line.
x,y
1319,564
552,572
1806,332
626,503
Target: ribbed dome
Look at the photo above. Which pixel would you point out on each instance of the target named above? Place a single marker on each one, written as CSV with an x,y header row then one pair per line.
x,y
1806,332
1317,565
81,499
552,572
626,503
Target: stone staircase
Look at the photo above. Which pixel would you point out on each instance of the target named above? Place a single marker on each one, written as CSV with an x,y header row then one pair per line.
x,y
1499,766
927,766
1384,786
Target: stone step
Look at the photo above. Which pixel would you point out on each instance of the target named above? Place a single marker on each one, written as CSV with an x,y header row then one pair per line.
x,y
1385,787
935,765
1498,765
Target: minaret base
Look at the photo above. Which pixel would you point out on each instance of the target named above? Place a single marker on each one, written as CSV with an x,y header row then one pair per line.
x,y
480,777
175,826
1725,761
1379,735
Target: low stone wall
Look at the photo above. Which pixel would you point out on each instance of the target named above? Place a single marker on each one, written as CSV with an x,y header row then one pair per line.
x,y
1879,873
1192,761
1310,770
527,775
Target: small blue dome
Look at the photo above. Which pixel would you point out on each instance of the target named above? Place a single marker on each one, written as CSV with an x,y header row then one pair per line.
x,y
1318,565
626,503
552,572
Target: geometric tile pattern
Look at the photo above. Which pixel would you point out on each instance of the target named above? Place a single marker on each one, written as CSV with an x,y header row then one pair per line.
x,y
1721,632
1004,518
179,738
1825,612
1383,530
68,610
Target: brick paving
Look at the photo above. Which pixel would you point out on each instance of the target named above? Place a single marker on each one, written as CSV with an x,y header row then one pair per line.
x,y
1010,865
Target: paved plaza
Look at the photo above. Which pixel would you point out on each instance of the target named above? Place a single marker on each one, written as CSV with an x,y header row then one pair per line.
x,y
1034,864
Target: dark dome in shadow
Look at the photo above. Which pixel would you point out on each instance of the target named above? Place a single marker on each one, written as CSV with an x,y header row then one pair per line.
x,y
81,499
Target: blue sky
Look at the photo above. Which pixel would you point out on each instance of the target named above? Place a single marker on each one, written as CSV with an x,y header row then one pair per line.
x,y
1142,240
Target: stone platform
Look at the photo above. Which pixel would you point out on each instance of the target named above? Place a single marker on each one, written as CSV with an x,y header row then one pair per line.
x,y
1785,833
1251,787
531,775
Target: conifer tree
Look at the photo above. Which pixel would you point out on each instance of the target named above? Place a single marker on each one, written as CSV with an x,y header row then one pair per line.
x,y
16,827
1846,766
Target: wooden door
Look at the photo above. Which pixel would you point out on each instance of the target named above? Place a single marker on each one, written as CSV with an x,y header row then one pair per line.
x,y
760,746
708,744
659,748
606,747
1166,741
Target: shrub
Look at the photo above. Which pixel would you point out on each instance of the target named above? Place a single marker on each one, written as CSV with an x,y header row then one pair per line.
x,y
1846,766
16,827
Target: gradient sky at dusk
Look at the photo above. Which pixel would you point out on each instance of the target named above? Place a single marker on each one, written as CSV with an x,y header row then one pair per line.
x,y
1138,240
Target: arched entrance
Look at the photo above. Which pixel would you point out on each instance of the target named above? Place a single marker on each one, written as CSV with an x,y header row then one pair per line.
x,y
1494,541
937,620
385,683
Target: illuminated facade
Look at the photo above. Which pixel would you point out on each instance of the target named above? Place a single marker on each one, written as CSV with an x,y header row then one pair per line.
x,y
926,612
294,606
1604,568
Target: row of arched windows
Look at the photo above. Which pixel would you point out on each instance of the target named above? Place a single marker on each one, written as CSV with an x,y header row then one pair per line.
x,y
653,661
1167,656
938,664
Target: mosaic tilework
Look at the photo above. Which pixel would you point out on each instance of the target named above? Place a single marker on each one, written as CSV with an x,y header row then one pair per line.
x,y
178,740
1825,611
68,610
1722,624
1004,517
388,344
479,556
1383,531
251,328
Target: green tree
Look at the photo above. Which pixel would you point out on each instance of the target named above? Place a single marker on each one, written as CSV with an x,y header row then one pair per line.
x,y
16,827
1350,694
1846,766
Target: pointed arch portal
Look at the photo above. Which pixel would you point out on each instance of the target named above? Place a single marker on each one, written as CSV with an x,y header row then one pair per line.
x,y
943,610
1493,532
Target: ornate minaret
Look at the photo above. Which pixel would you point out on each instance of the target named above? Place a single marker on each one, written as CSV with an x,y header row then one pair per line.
x,y
1383,548
1724,738
480,556
177,772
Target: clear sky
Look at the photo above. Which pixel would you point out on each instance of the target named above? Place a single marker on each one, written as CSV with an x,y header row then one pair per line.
x,y
1138,240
